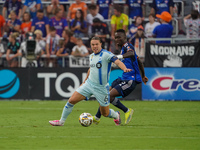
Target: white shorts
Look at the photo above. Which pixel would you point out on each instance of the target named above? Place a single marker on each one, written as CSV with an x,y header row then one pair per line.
x,y
101,92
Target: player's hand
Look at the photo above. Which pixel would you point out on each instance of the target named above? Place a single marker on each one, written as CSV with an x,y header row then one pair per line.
x,y
127,70
145,79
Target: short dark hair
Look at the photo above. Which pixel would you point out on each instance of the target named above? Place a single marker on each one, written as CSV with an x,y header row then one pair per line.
x,y
68,32
194,14
119,8
92,7
40,11
96,38
28,16
153,15
96,20
121,31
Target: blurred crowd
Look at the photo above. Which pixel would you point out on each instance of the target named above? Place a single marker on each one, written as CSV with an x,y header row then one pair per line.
x,y
58,30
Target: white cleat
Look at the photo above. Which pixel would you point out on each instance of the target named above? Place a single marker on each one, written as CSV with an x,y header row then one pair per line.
x,y
56,123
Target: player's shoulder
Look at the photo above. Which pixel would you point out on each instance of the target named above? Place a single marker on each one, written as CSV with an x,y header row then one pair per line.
x,y
106,52
128,46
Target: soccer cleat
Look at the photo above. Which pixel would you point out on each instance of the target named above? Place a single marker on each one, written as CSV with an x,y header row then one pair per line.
x,y
128,116
118,120
56,123
95,121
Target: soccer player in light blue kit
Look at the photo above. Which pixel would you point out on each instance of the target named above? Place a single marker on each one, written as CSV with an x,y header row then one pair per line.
x,y
96,83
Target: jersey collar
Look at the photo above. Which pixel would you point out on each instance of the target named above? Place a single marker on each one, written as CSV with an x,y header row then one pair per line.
x,y
99,52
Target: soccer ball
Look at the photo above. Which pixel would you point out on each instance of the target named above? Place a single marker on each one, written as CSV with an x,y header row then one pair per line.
x,y
85,119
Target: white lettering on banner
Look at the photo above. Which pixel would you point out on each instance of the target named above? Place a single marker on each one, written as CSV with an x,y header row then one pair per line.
x,y
47,77
172,50
78,62
58,82
69,88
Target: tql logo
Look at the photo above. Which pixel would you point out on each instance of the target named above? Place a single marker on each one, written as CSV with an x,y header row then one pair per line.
x,y
9,83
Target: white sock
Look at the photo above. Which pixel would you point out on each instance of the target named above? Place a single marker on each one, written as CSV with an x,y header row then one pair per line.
x,y
96,118
113,114
66,111
127,111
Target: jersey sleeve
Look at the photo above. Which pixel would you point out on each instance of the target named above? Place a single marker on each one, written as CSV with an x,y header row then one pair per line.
x,y
18,45
111,57
84,6
74,49
18,22
9,45
85,49
2,21
125,20
65,24
51,22
113,19
71,7
33,22
46,21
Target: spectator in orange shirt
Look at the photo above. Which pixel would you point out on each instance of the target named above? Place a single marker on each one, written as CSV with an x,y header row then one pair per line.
x,y
2,25
74,7
26,25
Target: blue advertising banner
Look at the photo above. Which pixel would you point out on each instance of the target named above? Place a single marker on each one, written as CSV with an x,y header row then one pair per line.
x,y
172,84
48,83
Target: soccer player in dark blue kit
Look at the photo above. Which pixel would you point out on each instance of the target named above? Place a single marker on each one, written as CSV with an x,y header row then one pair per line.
x,y
124,85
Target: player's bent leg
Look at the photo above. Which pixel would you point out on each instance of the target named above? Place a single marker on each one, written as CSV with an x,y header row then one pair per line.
x,y
115,101
75,98
106,112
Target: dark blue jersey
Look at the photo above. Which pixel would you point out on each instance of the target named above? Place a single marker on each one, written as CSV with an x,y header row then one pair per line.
x,y
41,24
104,7
163,31
162,5
135,8
13,6
131,63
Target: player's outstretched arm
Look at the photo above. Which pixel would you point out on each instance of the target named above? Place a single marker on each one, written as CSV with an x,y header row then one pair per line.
x,y
127,55
122,66
141,67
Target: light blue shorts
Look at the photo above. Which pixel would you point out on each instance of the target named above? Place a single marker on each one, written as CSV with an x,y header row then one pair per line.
x,y
101,92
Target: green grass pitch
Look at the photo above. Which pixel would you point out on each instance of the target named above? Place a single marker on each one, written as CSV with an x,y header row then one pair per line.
x,y
158,125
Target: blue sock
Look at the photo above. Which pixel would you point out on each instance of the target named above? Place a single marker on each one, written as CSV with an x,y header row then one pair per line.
x,y
66,111
119,105
98,114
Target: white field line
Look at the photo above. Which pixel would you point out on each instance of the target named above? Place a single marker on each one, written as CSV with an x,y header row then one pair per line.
x,y
43,108
97,137
78,108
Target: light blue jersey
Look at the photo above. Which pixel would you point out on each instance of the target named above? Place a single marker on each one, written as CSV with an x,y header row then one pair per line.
x,y
97,82
100,66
